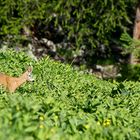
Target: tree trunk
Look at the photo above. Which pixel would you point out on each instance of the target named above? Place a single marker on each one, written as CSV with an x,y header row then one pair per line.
x,y
136,35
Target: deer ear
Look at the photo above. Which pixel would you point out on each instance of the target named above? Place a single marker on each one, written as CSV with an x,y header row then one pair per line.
x,y
30,69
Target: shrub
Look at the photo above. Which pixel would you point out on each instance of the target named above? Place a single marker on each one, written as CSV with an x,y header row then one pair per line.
x,y
65,104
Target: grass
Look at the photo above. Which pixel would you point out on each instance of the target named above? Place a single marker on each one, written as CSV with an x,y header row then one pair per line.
x,y
64,104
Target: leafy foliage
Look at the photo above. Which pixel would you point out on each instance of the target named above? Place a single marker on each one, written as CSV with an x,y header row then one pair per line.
x,y
66,104
79,18
129,43
130,72
82,24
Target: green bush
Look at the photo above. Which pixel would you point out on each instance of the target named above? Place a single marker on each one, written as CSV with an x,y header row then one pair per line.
x,y
66,104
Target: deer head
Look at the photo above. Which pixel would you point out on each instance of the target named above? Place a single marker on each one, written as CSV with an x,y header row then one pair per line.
x,y
29,74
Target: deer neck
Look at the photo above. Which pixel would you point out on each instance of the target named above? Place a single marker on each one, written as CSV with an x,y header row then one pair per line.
x,y
21,79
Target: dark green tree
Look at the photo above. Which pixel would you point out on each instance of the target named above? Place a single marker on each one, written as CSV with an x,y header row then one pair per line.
x,y
84,24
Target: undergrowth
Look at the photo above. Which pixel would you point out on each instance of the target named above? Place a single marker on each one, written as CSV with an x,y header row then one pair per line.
x,y
65,104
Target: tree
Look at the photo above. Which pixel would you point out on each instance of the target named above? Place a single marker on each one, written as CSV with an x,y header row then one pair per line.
x,y
135,56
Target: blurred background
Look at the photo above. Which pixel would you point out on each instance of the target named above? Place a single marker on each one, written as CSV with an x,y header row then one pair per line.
x,y
92,36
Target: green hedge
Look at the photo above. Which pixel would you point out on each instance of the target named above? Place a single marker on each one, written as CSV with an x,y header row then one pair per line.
x,y
66,104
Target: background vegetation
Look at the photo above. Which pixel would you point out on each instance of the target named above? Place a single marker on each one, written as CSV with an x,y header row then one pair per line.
x,y
83,32
66,104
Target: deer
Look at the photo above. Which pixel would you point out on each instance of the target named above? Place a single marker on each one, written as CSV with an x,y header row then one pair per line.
x,y
12,83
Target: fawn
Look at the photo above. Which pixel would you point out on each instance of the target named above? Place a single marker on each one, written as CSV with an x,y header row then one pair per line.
x,y
12,83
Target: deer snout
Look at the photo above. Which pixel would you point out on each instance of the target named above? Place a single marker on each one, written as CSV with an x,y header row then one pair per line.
x,y
30,78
